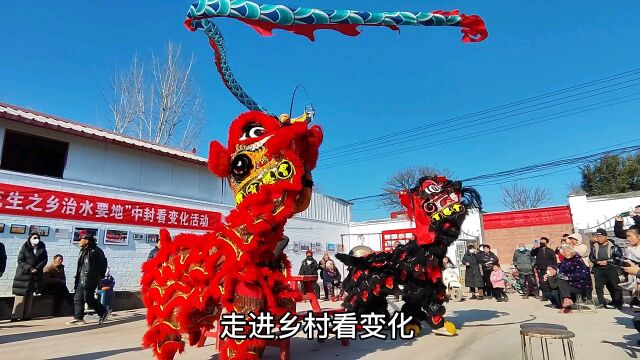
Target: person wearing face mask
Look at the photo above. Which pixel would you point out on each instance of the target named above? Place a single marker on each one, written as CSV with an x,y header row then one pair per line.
x,y
472,275
487,259
32,259
545,257
523,261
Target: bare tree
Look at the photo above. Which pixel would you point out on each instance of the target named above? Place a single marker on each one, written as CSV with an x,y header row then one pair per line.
x,y
158,103
516,196
403,180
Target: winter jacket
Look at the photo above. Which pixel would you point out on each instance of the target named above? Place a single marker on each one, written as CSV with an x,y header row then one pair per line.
x,y
309,266
25,281
544,257
583,250
497,279
107,282
329,276
153,253
487,260
613,250
3,258
576,272
552,282
94,269
53,274
523,261
472,274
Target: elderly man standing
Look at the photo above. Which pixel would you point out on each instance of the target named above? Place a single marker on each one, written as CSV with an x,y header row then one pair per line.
x,y
604,272
523,261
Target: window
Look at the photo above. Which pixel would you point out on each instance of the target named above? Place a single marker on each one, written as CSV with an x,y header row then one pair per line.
x,y
33,154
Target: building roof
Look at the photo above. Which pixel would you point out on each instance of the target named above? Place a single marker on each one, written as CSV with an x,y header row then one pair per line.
x,y
30,117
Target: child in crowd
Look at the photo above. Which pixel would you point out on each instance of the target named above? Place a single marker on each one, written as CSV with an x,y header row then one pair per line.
x,y
331,279
497,281
105,290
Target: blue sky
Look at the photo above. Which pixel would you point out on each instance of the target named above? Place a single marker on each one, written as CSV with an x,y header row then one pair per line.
x,y
58,56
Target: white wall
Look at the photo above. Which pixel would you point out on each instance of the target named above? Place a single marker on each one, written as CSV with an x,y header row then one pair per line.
x,y
368,233
101,163
589,213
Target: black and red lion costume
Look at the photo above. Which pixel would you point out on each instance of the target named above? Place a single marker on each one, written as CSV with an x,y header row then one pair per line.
x,y
438,207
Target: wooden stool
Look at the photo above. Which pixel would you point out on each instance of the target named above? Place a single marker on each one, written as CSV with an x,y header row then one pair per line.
x,y
544,334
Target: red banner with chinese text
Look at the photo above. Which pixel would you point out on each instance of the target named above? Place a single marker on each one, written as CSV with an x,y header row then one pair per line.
x,y
34,202
530,217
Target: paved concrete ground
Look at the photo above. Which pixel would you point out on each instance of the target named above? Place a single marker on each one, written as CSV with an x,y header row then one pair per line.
x,y
488,330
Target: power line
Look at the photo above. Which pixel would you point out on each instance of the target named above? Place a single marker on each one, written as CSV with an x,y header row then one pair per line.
x,y
562,162
624,74
491,131
476,122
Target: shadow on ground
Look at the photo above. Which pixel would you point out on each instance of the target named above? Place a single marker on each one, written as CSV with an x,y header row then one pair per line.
x,y
11,338
97,355
461,317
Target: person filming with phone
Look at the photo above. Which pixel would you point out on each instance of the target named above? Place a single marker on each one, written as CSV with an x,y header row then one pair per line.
x,y
545,257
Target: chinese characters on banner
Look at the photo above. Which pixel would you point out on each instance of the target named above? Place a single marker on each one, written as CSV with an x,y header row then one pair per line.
x,y
34,202
530,217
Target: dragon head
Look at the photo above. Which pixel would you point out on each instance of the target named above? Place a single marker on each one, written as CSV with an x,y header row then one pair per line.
x,y
435,201
268,161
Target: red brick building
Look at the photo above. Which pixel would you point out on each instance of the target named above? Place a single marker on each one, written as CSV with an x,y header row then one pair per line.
x,y
505,230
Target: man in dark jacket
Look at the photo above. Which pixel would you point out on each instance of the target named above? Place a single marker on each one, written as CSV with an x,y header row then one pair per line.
x,y
92,266
545,257
487,259
3,259
310,266
154,251
605,273
523,261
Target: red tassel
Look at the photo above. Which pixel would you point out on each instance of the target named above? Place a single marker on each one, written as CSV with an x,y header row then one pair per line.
x,y
473,28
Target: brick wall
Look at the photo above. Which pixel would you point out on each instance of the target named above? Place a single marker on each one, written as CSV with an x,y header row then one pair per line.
x,y
505,241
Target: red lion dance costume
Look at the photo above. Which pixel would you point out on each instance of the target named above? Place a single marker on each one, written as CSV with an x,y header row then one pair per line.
x,y
438,207
193,278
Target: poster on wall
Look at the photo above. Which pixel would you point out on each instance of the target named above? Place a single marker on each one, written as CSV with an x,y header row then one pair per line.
x,y
305,246
296,247
139,237
40,230
318,248
152,238
116,237
62,233
18,229
80,231
331,247
340,248
1,228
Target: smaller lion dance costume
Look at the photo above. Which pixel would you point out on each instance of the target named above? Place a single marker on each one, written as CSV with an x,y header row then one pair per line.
x,y
239,266
438,207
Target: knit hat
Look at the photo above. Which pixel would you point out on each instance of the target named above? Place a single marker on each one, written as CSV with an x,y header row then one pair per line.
x,y
576,236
